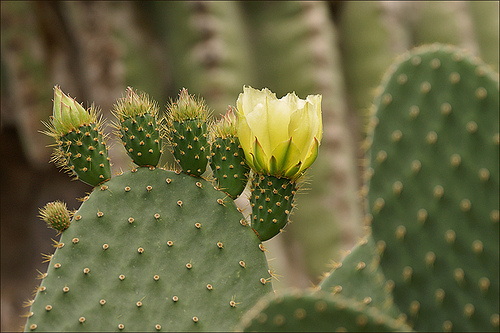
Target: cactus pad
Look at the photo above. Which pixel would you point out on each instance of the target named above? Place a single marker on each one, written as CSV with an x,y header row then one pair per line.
x,y
272,201
360,277
316,312
84,152
229,167
137,127
152,250
434,189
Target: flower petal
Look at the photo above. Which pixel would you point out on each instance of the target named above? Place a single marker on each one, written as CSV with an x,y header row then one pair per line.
x,y
303,127
280,153
261,160
245,135
256,120
278,117
313,154
292,157
315,100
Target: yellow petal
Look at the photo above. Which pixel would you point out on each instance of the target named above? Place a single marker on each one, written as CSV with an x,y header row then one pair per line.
x,y
280,153
278,117
256,120
315,101
293,170
261,160
292,157
245,135
303,127
313,154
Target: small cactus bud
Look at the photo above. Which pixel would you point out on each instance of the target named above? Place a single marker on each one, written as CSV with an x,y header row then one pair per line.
x,y
56,215
227,159
137,127
188,134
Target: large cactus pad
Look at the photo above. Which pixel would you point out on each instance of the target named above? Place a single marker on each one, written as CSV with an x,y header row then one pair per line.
x,y
434,190
152,250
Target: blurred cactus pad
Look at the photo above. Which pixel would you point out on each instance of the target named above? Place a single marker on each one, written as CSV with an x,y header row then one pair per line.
x,y
430,262
164,249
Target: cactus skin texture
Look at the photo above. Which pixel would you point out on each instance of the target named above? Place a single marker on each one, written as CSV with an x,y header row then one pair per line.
x,y
434,189
272,201
188,133
360,277
138,128
318,312
227,159
152,247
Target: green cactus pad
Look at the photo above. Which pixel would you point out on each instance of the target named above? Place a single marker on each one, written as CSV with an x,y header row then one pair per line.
x,y
272,200
141,138
360,277
152,250
434,189
189,140
229,167
84,152
316,312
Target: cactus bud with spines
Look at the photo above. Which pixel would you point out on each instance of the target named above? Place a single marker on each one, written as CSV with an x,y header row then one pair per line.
x,y
137,127
227,157
56,215
280,138
188,133
81,148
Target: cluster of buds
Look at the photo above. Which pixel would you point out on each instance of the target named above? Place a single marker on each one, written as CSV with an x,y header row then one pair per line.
x,y
276,139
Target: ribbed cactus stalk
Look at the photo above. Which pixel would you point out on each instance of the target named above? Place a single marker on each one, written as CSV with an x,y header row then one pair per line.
x,y
227,157
138,128
188,133
81,148
280,138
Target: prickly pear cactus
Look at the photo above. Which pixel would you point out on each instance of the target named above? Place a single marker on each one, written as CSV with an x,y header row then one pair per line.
x,y
138,129
317,312
187,133
149,249
152,249
227,157
81,148
434,189
360,277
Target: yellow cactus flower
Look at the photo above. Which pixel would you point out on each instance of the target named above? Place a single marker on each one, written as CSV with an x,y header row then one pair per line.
x,y
280,137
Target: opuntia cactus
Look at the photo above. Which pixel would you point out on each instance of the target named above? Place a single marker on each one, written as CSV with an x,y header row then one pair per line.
x,y
138,128
187,132
150,249
227,157
280,138
81,148
431,260
434,188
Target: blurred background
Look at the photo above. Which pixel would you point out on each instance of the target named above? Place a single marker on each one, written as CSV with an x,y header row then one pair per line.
x,y
94,50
